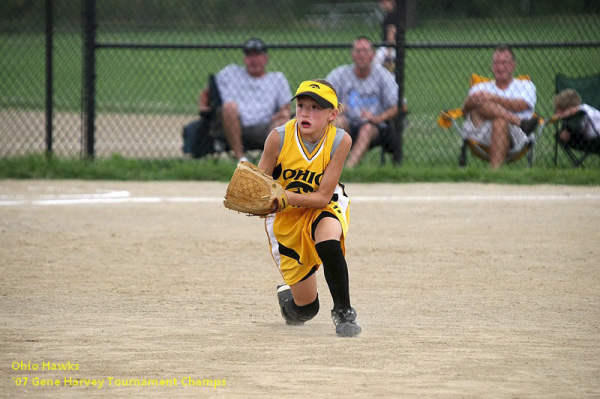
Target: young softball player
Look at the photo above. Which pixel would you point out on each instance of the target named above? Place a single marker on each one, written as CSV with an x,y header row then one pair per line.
x,y
307,155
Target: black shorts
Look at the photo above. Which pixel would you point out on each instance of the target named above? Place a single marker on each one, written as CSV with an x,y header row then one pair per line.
x,y
383,128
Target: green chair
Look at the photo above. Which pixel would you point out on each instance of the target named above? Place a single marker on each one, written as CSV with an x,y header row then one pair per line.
x,y
578,149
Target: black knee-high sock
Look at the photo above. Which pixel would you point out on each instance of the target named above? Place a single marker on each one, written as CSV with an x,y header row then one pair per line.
x,y
335,270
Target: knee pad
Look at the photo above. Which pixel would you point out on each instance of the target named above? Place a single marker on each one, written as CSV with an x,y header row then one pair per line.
x,y
302,313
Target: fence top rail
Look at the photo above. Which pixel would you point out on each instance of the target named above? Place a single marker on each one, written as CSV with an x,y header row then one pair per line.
x,y
416,46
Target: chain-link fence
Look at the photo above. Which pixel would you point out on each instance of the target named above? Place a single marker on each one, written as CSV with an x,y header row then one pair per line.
x,y
126,78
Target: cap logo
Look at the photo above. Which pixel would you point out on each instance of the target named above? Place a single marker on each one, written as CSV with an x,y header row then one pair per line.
x,y
314,86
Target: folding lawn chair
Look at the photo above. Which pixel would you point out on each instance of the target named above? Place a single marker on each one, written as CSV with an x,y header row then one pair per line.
x,y
453,118
197,140
578,148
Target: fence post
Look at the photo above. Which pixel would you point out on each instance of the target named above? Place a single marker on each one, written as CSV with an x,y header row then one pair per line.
x,y
89,76
49,94
400,56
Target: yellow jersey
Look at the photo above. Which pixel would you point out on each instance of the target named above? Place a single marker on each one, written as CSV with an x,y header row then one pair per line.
x,y
299,168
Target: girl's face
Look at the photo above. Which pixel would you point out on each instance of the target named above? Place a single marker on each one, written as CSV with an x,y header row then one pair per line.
x,y
311,117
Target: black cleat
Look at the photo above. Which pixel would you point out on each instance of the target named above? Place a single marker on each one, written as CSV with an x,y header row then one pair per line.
x,y
345,322
529,125
284,294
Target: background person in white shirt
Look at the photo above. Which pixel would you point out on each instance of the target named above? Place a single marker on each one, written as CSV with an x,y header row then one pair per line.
x,y
386,56
499,113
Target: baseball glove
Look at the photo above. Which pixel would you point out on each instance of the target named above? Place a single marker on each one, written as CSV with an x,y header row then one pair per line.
x,y
253,192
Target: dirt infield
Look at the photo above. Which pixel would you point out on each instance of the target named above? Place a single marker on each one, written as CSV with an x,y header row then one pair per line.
x,y
462,290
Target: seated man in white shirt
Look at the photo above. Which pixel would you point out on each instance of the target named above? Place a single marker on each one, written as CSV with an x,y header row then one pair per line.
x,y
254,101
499,113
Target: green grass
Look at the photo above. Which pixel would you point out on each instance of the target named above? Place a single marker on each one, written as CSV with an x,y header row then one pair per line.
x,y
114,168
119,168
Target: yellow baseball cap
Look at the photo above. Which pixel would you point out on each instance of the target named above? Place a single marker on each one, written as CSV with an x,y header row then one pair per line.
x,y
321,93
